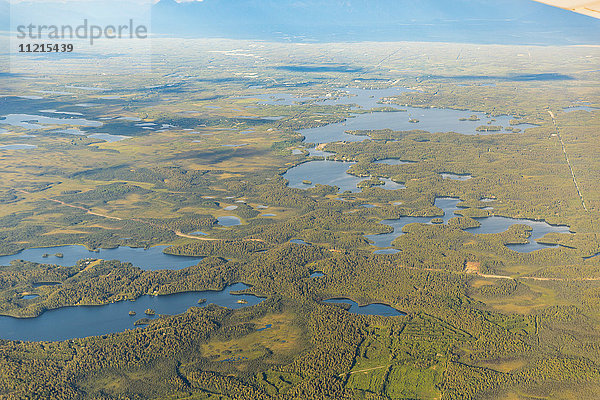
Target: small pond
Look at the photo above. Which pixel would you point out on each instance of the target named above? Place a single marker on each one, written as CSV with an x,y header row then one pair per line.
x,y
456,177
17,146
108,137
229,221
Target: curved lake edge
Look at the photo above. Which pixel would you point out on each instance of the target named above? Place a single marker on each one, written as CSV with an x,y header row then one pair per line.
x,y
362,307
151,258
240,292
78,322
449,213
93,250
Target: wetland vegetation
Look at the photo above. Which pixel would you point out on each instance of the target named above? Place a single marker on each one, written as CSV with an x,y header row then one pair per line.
x,y
483,275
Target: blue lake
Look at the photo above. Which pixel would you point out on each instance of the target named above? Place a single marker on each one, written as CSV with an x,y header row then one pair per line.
x,y
17,146
579,108
410,118
83,321
299,241
332,173
493,224
148,259
496,224
108,137
371,309
229,221
448,205
456,177
27,121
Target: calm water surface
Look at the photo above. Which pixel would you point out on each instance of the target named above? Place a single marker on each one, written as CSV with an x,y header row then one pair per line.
x,y
148,259
493,224
333,173
83,321
371,309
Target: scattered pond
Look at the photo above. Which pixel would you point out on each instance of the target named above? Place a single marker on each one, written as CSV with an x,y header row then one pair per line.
x,y
230,208
83,321
27,121
17,146
456,177
229,221
317,274
108,137
40,284
148,259
30,296
371,309
299,241
579,108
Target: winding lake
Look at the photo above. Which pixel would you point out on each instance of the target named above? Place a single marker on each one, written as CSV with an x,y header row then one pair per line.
x,y
27,121
493,224
149,259
83,321
402,119
332,173
371,309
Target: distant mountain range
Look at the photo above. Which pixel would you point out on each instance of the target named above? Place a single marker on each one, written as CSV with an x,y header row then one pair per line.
x,y
479,21
472,21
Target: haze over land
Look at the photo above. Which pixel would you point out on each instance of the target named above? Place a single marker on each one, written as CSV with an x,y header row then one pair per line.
x,y
479,21
398,219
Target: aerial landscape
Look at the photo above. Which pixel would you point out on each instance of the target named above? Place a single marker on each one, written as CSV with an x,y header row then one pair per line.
x,y
294,212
